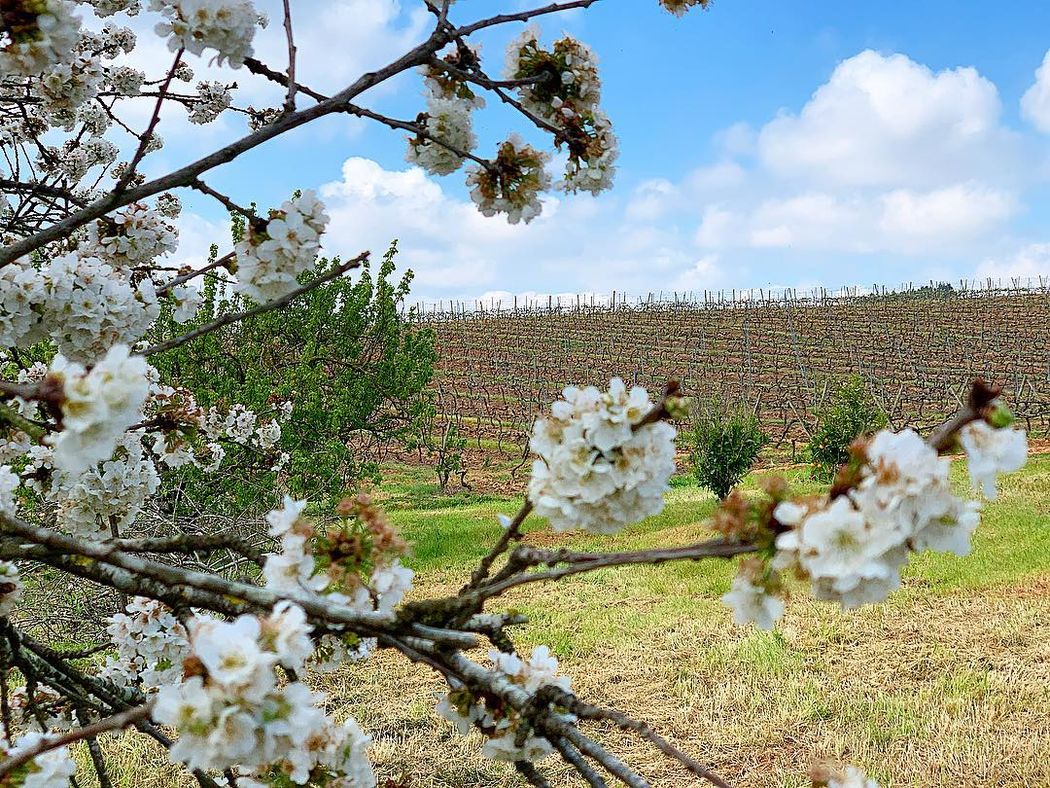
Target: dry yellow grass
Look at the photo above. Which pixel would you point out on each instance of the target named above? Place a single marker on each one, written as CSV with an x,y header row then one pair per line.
x,y
950,691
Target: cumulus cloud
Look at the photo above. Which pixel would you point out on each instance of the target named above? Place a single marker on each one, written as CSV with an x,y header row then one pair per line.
x,y
1035,103
579,243
885,120
1029,262
902,221
888,160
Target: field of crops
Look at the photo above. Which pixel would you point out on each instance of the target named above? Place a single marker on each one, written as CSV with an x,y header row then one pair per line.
x,y
917,352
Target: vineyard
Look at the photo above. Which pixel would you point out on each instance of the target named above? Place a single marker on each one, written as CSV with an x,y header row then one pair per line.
x,y
916,350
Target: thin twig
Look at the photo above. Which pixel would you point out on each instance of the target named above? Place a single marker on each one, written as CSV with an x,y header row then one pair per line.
x,y
114,723
289,101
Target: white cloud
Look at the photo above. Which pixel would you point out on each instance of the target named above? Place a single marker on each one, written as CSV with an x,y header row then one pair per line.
x,y
652,199
887,161
1035,103
957,212
902,221
885,120
196,235
1030,262
579,243
705,274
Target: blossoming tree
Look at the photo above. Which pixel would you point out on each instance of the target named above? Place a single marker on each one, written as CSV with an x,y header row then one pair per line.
x,y
218,670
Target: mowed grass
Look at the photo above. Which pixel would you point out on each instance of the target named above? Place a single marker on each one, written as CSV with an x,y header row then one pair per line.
x,y
947,684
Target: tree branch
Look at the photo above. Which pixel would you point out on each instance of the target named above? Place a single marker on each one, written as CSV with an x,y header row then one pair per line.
x,y
114,723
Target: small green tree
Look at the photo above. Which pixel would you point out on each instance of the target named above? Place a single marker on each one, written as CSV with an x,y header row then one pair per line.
x,y
724,442
851,413
346,355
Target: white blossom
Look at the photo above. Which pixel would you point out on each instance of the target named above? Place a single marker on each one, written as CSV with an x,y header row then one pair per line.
x,y
151,645
88,503
90,307
104,8
847,558
126,81
213,98
233,714
98,406
515,186
231,653
51,41
227,26
23,292
269,263
188,301
448,121
391,582
753,604
991,451
267,434
465,711
10,587
53,768
134,236
850,777
9,484
599,468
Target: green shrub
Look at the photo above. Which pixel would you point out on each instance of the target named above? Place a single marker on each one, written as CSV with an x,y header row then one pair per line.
x,y
724,443
852,412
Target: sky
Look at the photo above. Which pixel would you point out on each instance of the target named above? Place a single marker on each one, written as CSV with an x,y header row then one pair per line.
x,y
762,144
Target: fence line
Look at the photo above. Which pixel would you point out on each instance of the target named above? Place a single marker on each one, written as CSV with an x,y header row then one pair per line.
x,y
758,297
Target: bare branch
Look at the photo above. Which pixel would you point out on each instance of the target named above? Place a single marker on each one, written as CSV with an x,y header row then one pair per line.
x,y
289,101
114,723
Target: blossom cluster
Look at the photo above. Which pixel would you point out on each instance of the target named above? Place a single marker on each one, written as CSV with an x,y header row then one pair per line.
x,y
509,736
42,711
134,236
96,475
200,437
354,562
105,496
841,777
561,87
40,33
513,183
10,580
83,304
446,121
891,500
152,645
226,26
213,98
680,7
601,466
271,258
97,406
230,711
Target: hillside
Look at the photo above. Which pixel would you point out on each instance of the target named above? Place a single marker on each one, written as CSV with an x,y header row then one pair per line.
x,y
917,351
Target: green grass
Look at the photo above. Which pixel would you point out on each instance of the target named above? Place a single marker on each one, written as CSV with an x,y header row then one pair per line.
x,y
453,533
1013,542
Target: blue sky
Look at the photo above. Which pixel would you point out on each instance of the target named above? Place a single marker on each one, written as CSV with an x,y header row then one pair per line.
x,y
762,144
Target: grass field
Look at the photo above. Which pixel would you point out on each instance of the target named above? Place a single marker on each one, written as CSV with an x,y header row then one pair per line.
x,y
946,685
